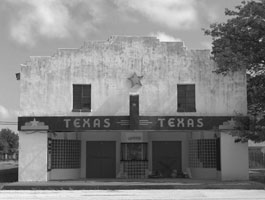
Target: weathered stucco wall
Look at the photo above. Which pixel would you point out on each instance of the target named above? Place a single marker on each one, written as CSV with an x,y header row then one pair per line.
x,y
234,158
46,82
32,156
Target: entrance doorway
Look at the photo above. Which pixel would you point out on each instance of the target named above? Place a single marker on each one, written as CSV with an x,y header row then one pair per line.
x,y
166,157
134,159
101,159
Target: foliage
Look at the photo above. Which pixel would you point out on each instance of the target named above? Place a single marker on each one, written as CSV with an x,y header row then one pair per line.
x,y
8,141
250,129
239,44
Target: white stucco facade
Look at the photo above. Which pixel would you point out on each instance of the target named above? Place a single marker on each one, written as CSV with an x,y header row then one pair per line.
x,y
47,91
106,65
234,159
32,156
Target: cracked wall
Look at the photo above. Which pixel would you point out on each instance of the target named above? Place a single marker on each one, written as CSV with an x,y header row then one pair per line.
x,y
46,82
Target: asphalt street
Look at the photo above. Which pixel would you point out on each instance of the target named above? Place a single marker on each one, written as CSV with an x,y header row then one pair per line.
x,y
134,194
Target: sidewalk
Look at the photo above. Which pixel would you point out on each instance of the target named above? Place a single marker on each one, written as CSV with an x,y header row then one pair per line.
x,y
118,184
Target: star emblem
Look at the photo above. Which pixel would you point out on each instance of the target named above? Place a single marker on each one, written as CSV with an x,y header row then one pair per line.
x,y
34,125
34,122
135,80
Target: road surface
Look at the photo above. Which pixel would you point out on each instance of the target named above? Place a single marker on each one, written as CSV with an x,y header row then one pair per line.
x,y
133,194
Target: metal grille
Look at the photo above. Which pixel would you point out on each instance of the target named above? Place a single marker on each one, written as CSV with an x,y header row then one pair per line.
x,y
66,154
135,169
256,158
202,153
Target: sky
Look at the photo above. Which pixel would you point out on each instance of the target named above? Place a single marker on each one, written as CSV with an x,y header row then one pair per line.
x,y
39,27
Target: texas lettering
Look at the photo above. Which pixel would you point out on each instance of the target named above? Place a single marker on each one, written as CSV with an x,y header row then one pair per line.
x,y
87,123
180,122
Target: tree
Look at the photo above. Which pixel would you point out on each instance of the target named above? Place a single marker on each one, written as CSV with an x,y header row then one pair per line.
x,y
239,43
8,141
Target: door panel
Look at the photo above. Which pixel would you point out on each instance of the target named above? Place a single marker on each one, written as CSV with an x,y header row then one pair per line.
x,y
101,159
166,157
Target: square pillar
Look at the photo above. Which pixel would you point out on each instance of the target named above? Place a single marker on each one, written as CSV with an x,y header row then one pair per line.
x,y
234,158
33,156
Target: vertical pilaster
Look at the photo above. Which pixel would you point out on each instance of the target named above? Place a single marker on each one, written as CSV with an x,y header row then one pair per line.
x,y
33,156
134,111
234,158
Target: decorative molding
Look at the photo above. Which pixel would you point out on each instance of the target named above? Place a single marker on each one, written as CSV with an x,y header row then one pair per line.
x,y
34,125
135,80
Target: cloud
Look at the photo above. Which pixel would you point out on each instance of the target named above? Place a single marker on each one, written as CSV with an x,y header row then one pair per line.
x,y
3,112
207,44
7,113
53,18
176,14
209,11
163,37
47,18
31,20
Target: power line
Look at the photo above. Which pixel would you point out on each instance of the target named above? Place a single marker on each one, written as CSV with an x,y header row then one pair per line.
x,y
8,123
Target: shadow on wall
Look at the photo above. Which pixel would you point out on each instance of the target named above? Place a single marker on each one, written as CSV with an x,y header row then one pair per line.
x,y
114,104
162,104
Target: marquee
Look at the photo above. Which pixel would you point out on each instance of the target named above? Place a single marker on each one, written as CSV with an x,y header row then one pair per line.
x,y
73,123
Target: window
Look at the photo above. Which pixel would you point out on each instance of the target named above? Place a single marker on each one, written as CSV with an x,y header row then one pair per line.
x,y
186,98
134,151
202,153
81,98
66,154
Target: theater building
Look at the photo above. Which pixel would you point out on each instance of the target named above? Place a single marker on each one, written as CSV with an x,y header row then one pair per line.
x,y
130,108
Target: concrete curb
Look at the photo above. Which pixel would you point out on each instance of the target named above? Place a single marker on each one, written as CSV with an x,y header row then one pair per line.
x,y
136,186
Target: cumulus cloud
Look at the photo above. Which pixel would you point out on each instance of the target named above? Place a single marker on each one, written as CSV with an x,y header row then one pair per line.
x,y
30,20
7,113
53,18
3,112
163,37
47,18
177,14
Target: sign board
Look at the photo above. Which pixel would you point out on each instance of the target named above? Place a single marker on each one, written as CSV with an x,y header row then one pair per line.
x,y
121,123
133,137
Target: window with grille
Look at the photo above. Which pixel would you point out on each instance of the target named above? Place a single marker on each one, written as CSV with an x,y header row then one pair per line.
x,y
256,158
134,151
66,154
134,159
186,98
202,153
81,98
